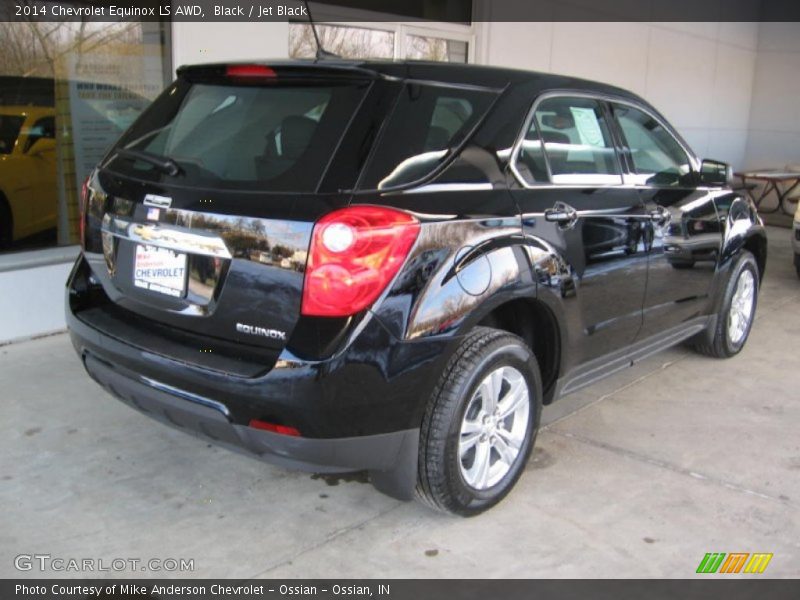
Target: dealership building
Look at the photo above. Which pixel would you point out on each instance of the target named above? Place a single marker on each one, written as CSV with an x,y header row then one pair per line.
x,y
730,88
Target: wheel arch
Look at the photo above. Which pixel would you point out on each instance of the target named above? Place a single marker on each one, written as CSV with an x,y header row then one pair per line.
x,y
756,244
431,298
742,230
525,297
537,325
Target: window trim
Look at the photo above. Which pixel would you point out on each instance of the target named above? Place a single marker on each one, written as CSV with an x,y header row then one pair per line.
x,y
604,99
694,163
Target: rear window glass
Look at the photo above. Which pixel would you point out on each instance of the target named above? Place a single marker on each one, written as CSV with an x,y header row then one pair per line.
x,y
427,123
272,138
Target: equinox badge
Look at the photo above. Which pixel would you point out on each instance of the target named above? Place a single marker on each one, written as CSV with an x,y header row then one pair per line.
x,y
260,331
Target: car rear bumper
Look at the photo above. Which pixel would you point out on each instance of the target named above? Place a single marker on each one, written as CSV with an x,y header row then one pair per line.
x,y
210,420
356,411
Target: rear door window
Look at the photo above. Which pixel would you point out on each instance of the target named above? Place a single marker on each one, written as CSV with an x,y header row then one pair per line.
x,y
576,140
272,137
426,125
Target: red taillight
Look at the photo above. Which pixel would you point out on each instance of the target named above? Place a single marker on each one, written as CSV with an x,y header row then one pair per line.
x,y
281,429
355,252
249,72
83,207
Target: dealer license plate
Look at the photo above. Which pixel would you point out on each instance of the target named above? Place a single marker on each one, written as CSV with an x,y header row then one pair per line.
x,y
160,270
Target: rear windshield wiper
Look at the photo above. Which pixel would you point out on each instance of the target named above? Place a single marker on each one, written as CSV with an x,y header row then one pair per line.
x,y
162,163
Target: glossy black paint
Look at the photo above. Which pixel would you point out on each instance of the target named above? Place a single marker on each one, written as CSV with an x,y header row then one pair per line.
x,y
639,268
683,257
323,399
240,268
606,251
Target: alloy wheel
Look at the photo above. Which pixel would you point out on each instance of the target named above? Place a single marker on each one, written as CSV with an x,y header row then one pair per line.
x,y
741,311
494,427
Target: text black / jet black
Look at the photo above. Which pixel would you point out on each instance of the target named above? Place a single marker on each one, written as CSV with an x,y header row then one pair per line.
x,y
392,266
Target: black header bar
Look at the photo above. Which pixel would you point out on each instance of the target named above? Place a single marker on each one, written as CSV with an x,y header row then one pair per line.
x,y
453,11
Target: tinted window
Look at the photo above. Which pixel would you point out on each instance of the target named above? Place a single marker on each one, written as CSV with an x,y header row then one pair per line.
x,y
275,138
658,158
577,141
44,128
425,126
9,130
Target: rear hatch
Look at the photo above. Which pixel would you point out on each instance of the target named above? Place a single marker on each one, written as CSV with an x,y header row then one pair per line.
x,y
201,217
180,229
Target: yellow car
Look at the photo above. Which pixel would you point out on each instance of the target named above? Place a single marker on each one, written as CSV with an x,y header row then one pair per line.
x,y
28,191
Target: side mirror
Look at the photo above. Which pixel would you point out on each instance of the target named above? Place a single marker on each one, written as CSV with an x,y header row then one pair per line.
x,y
714,173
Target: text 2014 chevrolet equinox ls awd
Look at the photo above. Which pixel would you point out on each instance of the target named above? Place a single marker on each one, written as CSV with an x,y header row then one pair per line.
x,y
392,266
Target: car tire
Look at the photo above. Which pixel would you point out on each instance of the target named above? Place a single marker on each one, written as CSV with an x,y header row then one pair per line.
x,y
6,224
730,333
459,422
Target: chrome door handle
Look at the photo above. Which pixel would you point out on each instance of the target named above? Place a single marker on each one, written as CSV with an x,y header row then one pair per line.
x,y
561,213
660,215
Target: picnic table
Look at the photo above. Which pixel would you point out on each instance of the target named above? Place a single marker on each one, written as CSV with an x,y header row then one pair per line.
x,y
783,183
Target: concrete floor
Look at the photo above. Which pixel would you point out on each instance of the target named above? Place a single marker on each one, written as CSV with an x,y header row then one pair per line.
x,y
637,476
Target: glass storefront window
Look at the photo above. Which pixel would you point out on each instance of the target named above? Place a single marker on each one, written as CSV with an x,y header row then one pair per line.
x,y
67,92
343,40
350,41
418,47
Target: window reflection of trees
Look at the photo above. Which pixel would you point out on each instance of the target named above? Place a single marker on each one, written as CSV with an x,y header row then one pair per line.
x,y
347,42
34,49
364,42
437,49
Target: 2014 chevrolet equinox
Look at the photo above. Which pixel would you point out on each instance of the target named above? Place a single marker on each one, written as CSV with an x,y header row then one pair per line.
x,y
392,266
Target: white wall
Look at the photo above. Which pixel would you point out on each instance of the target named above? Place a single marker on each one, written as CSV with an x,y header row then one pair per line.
x,y
699,75
218,42
32,302
774,139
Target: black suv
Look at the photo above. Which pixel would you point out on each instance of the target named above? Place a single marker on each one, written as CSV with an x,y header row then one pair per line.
x,y
391,267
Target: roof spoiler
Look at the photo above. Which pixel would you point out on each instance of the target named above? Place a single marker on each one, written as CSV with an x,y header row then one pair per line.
x,y
282,71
